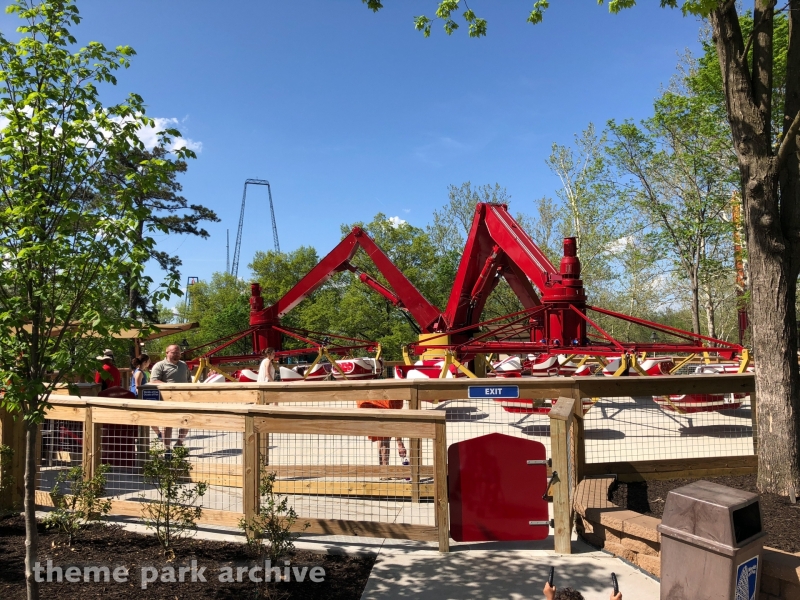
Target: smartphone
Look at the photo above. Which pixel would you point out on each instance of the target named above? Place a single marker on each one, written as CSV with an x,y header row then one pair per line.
x,y
614,583
552,574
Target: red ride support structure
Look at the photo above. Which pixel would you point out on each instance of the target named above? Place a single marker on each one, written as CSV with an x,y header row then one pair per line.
x,y
403,293
565,327
497,240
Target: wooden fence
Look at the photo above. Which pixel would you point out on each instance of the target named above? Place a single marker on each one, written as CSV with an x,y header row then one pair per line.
x,y
256,421
566,419
259,409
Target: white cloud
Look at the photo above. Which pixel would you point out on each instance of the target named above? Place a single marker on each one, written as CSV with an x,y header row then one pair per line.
x,y
619,245
149,135
396,222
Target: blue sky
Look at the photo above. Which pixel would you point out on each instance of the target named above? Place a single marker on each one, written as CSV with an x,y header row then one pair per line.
x,y
348,113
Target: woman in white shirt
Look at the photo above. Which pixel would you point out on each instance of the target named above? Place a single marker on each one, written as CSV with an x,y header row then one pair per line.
x,y
266,371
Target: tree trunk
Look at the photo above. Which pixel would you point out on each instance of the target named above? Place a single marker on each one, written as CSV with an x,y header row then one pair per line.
x,y
774,331
695,302
31,533
710,315
772,241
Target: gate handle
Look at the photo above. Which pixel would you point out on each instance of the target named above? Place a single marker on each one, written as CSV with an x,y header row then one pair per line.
x,y
553,477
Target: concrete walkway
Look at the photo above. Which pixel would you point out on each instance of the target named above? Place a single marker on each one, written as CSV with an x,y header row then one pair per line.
x,y
501,570
489,570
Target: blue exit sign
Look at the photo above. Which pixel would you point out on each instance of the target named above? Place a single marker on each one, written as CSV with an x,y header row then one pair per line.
x,y
493,391
151,394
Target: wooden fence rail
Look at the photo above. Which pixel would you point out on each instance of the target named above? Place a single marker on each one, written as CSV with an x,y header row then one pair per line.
x,y
248,408
437,390
255,421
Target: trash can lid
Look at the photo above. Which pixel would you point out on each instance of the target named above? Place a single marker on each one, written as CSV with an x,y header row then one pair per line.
x,y
715,513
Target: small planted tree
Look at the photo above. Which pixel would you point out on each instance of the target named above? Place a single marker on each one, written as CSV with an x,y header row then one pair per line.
x,y
69,238
78,501
269,534
174,510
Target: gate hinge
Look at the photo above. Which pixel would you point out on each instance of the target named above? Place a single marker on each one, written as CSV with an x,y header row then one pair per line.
x,y
550,523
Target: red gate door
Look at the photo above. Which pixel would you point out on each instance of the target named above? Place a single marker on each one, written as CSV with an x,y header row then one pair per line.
x,y
496,484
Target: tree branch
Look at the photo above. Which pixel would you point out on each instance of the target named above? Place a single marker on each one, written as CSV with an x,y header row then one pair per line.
x,y
789,140
752,35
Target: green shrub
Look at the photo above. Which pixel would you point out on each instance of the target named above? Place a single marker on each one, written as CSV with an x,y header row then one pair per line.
x,y
84,504
7,480
174,512
269,533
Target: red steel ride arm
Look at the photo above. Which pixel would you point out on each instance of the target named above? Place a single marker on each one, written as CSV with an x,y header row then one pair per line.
x,y
405,294
495,233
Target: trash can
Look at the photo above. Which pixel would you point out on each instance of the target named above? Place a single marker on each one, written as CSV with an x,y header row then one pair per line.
x,y
711,543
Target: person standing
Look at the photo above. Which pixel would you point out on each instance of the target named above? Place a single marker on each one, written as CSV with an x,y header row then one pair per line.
x,y
266,370
108,374
139,377
384,443
171,370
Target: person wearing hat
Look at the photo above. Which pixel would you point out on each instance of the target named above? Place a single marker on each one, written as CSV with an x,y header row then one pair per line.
x,y
108,374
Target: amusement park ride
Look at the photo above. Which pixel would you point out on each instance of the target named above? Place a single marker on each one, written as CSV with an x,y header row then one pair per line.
x,y
555,334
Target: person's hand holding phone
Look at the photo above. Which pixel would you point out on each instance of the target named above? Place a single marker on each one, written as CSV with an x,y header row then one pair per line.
x,y
615,594
549,591
549,588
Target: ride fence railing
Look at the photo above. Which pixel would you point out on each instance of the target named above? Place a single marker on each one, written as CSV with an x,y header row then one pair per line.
x,y
342,466
635,427
640,428
336,478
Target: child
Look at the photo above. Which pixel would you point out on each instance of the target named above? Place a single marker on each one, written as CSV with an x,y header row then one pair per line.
x,y
569,594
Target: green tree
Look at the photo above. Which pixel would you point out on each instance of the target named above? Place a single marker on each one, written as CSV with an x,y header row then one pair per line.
x,y
64,253
221,307
452,222
765,138
163,208
682,177
589,211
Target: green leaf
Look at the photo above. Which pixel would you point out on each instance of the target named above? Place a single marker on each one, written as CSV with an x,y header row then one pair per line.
x,y
423,24
537,14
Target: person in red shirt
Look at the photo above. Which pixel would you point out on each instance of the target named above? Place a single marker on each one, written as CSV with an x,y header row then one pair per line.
x,y
384,445
108,374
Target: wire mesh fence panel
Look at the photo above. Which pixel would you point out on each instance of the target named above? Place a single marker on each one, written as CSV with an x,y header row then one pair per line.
x,y
342,477
61,449
468,419
668,427
214,457
386,477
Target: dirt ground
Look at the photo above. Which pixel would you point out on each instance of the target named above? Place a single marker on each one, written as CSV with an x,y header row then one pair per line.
x,y
780,518
344,576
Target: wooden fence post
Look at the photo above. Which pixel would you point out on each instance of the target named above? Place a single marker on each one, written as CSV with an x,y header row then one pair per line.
x,y
754,420
578,436
262,439
250,470
92,444
561,416
12,434
414,448
440,486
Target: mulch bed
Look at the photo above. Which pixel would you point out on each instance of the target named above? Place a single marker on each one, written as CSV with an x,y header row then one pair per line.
x,y
780,518
344,576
